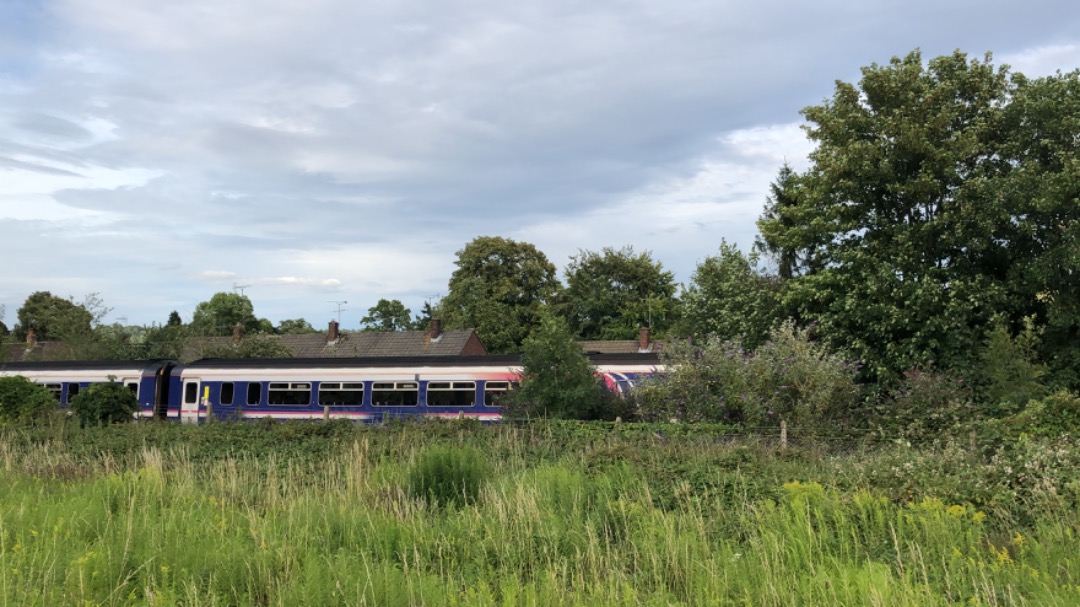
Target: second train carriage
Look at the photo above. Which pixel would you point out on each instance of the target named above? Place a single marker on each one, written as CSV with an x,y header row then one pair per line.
x,y
365,389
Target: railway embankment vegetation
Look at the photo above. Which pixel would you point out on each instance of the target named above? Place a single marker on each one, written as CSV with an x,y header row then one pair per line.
x,y
538,513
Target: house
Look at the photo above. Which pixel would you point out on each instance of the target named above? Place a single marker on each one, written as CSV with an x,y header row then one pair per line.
x,y
334,344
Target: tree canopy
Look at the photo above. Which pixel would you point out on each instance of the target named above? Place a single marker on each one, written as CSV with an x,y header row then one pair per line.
x,y
222,313
294,326
388,315
611,294
730,297
939,195
499,288
52,317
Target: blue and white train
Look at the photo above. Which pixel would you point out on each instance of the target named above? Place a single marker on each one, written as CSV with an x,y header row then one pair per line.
x,y
360,389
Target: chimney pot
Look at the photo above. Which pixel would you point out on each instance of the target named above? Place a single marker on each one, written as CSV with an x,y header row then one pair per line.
x,y
644,340
332,332
436,328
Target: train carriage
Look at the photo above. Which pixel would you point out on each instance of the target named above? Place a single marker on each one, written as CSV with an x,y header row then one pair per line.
x,y
147,379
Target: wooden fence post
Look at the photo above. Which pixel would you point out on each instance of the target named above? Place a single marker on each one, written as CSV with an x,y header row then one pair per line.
x,y
783,434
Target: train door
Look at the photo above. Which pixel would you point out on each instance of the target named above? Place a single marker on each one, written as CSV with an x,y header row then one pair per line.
x,y
189,405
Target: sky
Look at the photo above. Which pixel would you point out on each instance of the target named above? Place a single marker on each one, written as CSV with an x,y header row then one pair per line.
x,y
309,153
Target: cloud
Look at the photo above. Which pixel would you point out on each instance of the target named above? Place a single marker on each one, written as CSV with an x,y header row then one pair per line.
x,y
293,144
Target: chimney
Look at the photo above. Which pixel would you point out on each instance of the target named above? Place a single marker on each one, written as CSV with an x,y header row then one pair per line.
x,y
31,338
644,342
237,333
436,329
332,332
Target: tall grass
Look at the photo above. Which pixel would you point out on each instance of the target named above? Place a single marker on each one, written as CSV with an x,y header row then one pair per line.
x,y
171,527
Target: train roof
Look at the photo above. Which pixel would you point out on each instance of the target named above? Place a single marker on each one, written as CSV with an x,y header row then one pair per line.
x,y
63,365
404,361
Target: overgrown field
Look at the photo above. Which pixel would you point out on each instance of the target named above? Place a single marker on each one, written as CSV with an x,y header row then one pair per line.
x,y
542,514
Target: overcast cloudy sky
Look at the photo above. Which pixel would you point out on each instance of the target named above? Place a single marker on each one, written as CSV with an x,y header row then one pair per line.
x,y
318,151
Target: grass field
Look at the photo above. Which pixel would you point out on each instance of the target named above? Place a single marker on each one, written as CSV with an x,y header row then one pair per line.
x,y
563,514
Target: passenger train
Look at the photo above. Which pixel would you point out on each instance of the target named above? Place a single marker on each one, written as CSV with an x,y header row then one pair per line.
x,y
360,389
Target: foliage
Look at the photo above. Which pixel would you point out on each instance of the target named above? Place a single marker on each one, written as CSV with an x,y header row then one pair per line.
x,y
388,315
789,378
22,400
222,313
940,195
611,294
448,476
105,403
926,404
778,222
557,379
1009,372
499,288
295,326
729,297
1054,416
174,319
52,318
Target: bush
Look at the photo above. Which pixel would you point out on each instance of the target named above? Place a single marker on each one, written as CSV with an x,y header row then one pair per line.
x,y
104,404
558,381
447,476
788,378
925,405
22,400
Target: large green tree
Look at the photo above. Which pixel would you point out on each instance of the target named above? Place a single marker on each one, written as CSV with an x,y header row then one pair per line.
x,y
611,294
53,318
222,313
294,326
940,195
388,315
499,288
730,297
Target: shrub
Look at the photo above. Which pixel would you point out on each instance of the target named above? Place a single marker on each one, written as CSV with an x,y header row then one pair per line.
x,y
789,378
557,379
22,400
101,404
926,404
447,476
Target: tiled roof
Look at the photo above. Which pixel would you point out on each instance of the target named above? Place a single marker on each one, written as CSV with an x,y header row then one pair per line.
x,y
365,343
45,350
616,346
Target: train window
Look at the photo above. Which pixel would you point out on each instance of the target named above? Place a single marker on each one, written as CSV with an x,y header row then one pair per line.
x,y
72,391
341,394
395,394
254,393
289,393
191,392
56,389
227,393
495,392
451,394
133,386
